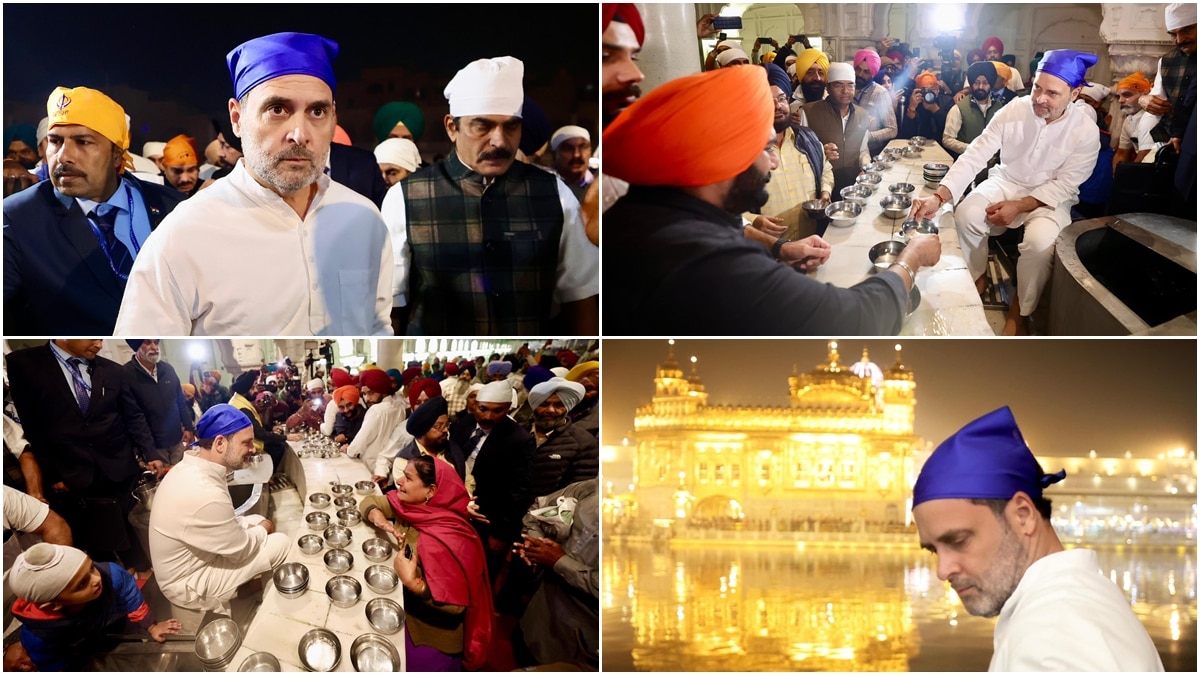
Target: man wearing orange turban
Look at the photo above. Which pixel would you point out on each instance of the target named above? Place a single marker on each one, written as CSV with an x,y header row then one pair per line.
x,y
349,418
1135,139
70,242
697,152
181,165
926,110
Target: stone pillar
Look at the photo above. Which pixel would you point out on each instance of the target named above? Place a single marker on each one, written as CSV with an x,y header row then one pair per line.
x,y
850,27
671,49
1136,36
390,353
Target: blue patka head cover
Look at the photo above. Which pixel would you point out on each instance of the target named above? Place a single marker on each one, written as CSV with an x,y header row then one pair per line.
x,y
221,420
272,56
1068,65
986,459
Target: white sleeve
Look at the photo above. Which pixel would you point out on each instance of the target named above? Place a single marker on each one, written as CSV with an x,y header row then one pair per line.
x,y
14,436
386,458
371,434
395,215
864,155
1150,121
154,300
330,417
950,135
384,299
22,512
977,154
578,274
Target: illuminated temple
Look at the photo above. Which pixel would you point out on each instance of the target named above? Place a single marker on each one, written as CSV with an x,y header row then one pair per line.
x,y
842,448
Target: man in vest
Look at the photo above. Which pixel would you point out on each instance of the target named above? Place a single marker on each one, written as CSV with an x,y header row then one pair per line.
x,y
1175,70
841,124
967,119
485,245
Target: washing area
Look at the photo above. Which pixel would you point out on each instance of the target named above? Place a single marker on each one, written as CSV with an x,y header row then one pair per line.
x,y
1133,274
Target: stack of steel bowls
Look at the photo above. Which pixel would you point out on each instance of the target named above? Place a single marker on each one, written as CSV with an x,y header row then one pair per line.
x,y
291,579
934,173
217,642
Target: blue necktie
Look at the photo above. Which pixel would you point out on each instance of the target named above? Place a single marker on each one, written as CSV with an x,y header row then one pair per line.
x,y
81,393
105,218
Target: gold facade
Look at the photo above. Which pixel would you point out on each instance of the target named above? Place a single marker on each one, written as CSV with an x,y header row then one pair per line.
x,y
843,448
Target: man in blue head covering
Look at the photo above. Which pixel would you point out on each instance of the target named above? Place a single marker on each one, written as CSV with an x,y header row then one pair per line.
x,y
1048,148
978,507
278,198
202,549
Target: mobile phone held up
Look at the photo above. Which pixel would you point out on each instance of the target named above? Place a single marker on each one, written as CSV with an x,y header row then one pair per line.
x,y
727,22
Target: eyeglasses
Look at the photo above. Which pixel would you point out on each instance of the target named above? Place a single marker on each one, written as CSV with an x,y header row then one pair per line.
x,y
782,98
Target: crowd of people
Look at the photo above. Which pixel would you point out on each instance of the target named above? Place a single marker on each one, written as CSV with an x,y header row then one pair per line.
x,y
1033,151
489,240
488,469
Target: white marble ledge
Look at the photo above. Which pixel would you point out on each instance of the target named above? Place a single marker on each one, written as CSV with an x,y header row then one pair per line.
x,y
929,320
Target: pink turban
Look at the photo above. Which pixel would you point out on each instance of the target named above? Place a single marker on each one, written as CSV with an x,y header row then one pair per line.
x,y
871,57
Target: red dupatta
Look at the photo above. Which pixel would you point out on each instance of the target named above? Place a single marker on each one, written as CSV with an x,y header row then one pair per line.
x,y
453,559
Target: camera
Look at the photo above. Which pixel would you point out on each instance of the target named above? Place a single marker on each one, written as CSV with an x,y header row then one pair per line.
x,y
929,96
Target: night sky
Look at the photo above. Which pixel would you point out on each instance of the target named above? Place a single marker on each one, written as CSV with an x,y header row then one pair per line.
x,y
1069,396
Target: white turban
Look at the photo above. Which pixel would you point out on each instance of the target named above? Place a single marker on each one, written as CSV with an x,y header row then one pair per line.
x,y
318,383
1180,15
399,151
792,69
43,129
559,371
568,132
151,149
732,44
475,387
499,391
570,393
1096,92
725,57
840,71
41,573
487,87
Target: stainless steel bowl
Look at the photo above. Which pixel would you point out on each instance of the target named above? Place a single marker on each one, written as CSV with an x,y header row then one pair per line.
x,y
874,167
385,615
883,159
311,544
317,520
918,140
936,169
871,180
377,550
901,188
894,153
381,578
815,209
260,662
857,194
291,578
338,536
912,151
319,500
371,653
843,214
320,650
345,502
217,642
933,184
883,255
341,489
364,487
349,516
339,561
911,228
343,591
896,206
255,459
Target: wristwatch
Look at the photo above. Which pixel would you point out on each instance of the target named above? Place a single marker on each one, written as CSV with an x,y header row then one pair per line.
x,y
777,247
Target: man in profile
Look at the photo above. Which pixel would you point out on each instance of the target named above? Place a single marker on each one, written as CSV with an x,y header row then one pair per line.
x,y
978,507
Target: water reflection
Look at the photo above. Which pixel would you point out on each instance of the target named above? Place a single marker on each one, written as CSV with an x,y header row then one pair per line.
x,y
719,609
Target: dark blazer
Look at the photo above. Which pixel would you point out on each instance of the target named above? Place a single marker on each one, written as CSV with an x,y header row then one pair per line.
x,y
56,278
503,474
357,169
162,402
70,447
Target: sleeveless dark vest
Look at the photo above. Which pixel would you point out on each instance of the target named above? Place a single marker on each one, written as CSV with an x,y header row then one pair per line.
x,y
1177,70
824,119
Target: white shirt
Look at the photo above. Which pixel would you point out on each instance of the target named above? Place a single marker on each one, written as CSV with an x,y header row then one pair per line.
x,y
381,436
1133,135
22,512
201,273
193,528
1048,161
864,155
1067,616
954,125
63,359
577,274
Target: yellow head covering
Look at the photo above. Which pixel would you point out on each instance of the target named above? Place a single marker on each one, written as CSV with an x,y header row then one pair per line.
x,y
180,151
806,59
94,110
1002,71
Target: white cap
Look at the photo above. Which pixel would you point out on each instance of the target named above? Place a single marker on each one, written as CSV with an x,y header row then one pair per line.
x,y
487,87
560,371
725,57
732,44
43,129
1181,15
840,71
567,132
1096,92
317,383
151,149
399,151
499,391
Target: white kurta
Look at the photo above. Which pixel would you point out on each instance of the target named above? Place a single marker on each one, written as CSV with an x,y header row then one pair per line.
x,y
577,274
200,550
1067,616
235,259
381,436
1045,161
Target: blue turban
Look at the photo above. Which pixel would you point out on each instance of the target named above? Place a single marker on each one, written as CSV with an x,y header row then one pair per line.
x,y
535,376
778,77
984,68
135,344
272,56
21,132
499,368
1068,65
535,127
986,459
426,415
397,377
221,420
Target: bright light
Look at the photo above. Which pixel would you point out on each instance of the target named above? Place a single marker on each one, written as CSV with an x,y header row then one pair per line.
x,y
948,18
196,351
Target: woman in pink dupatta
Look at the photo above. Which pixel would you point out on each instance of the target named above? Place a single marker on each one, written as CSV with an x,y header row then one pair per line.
x,y
447,594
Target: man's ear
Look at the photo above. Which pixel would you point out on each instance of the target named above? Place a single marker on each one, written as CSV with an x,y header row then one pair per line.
x,y
235,118
451,128
1022,514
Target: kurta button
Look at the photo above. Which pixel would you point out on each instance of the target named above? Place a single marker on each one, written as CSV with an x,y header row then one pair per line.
x,y
314,287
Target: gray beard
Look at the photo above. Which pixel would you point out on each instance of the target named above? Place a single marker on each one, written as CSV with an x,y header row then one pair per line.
x,y
546,426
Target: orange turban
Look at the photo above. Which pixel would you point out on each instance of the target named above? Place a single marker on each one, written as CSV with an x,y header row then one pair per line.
x,y
1136,82
188,389
1003,71
346,393
180,151
925,80
695,130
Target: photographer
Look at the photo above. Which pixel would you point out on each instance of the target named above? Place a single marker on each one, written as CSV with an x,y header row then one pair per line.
x,y
925,109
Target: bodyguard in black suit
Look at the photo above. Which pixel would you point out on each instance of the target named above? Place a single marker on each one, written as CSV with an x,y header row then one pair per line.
x,y
89,460
64,271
